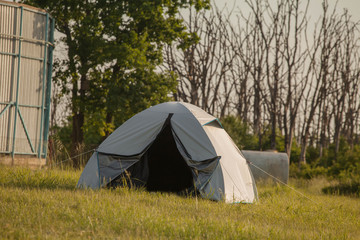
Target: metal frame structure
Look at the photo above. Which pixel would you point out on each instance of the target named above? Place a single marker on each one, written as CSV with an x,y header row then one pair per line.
x,y
39,148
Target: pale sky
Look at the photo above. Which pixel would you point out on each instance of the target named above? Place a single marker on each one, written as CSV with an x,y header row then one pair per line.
x,y
315,8
353,7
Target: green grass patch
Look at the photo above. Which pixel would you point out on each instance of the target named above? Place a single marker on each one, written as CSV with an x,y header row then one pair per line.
x,y
45,204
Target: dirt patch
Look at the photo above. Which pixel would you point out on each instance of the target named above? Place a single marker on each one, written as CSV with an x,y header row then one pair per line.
x,y
25,161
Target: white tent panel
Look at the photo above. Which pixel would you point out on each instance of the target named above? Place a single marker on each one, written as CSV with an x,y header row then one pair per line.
x,y
169,107
202,116
238,182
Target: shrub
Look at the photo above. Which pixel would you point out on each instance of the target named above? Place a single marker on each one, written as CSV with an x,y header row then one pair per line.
x,y
348,182
240,132
306,171
350,189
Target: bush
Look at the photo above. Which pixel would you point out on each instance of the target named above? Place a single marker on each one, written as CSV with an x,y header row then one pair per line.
x,y
240,132
307,171
350,189
349,182
347,160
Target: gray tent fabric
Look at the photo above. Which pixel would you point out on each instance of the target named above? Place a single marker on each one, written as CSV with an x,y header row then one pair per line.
x,y
111,166
172,146
193,137
134,135
90,177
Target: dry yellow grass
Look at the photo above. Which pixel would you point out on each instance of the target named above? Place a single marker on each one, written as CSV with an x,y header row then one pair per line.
x,y
44,204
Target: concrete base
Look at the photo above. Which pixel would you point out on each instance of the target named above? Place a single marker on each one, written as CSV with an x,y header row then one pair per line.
x,y
24,161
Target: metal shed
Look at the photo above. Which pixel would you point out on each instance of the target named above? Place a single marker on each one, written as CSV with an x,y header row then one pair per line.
x,y
26,52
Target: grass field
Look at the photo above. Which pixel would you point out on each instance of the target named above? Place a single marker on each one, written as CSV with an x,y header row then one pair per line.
x,y
44,204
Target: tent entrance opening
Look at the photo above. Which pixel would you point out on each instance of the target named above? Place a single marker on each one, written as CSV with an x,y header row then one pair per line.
x,y
167,169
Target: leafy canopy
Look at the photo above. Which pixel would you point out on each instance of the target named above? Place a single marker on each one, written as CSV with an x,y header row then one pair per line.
x,y
113,49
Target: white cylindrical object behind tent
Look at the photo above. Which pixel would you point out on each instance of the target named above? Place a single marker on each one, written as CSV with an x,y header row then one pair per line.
x,y
274,163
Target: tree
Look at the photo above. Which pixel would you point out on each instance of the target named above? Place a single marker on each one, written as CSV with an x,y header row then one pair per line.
x,y
203,67
113,50
325,43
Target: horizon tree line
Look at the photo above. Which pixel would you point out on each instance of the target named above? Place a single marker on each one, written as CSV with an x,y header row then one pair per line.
x,y
267,66
269,70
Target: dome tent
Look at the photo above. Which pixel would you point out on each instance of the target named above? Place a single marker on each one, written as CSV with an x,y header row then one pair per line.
x,y
172,147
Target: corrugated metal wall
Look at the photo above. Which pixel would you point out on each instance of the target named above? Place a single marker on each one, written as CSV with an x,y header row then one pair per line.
x,y
26,46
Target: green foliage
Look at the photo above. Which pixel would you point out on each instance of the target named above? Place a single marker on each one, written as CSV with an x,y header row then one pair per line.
x,y
124,97
95,128
348,181
295,152
45,204
244,138
347,159
59,149
346,169
266,142
306,171
62,135
351,188
240,132
343,167
113,51
338,163
312,155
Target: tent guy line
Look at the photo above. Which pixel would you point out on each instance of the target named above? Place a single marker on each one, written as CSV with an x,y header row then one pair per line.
x,y
68,159
282,182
